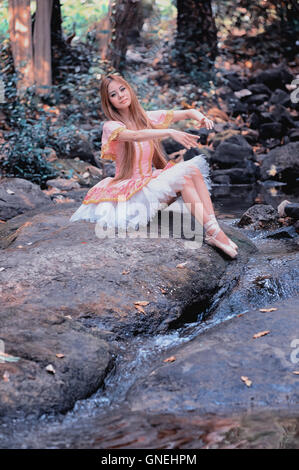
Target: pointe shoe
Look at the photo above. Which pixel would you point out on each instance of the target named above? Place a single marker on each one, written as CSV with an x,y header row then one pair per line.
x,y
232,244
211,239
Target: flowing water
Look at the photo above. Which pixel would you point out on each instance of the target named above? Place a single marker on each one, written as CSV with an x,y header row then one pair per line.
x,y
104,421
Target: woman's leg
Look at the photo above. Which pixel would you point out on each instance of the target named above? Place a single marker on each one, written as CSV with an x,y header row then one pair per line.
x,y
196,191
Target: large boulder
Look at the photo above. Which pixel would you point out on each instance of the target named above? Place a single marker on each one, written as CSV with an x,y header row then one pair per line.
x,y
281,163
260,216
66,291
18,195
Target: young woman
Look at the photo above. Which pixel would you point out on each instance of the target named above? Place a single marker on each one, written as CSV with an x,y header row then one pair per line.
x,y
132,137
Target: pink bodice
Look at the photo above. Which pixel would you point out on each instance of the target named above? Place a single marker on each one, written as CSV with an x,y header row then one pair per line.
x,y
115,150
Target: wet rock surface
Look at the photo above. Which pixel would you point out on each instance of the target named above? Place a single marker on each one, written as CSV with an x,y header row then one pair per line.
x,y
209,373
65,291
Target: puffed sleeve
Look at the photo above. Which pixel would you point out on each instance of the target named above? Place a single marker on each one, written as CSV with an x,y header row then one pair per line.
x,y
111,130
161,118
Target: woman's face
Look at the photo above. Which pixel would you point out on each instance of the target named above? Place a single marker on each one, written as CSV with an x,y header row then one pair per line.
x,y
119,95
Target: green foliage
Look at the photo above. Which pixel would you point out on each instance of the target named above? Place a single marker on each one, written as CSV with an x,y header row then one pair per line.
x,y
23,152
4,20
80,14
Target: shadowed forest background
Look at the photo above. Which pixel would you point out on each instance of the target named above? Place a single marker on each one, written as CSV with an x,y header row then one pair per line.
x,y
234,60
141,342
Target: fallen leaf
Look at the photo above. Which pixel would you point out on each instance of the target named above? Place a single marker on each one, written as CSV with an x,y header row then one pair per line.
x,y
60,356
170,359
6,376
50,369
181,265
140,309
246,380
272,171
261,333
271,309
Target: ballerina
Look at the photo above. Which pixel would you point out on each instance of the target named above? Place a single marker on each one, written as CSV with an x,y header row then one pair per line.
x,y
131,137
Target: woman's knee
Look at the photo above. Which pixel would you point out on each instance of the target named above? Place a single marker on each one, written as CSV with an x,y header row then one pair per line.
x,y
197,175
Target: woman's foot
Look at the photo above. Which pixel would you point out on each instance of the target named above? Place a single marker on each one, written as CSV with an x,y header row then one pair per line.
x,y
226,239
216,237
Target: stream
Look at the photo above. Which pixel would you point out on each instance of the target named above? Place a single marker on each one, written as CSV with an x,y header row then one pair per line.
x,y
104,420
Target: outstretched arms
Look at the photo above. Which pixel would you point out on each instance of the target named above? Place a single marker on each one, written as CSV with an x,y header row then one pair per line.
x,y
203,121
184,138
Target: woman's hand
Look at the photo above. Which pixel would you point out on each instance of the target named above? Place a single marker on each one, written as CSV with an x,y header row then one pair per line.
x,y
202,120
184,138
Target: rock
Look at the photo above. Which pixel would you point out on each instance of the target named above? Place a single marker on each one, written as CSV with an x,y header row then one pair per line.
x,y
63,184
280,114
49,154
76,169
243,93
274,78
18,195
273,129
223,135
235,175
251,136
76,145
206,376
235,82
281,208
220,178
284,232
280,97
234,151
63,284
259,216
36,335
259,88
236,107
281,163
292,210
294,135
257,99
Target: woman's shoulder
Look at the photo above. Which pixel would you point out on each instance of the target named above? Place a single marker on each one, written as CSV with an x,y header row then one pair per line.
x,y
113,124
160,117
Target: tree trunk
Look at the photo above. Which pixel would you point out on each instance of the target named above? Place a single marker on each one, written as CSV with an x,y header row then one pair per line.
x,y
196,33
123,16
21,42
42,46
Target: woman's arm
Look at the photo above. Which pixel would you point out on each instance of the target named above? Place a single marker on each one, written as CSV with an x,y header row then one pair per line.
x,y
203,121
184,138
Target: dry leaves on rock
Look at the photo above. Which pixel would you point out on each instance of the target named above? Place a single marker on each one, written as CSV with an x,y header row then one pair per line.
x,y
139,305
182,265
261,333
170,359
271,309
246,380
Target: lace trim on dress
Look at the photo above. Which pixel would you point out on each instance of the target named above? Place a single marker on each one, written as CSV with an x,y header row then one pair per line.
x,y
123,197
167,120
114,134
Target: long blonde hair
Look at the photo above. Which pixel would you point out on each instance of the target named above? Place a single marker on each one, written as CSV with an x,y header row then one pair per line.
x,y
141,121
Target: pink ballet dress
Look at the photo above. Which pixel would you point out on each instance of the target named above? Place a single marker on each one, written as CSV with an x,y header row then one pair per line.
x,y
135,201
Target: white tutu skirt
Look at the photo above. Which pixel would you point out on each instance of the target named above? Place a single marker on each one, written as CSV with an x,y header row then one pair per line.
x,y
142,206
